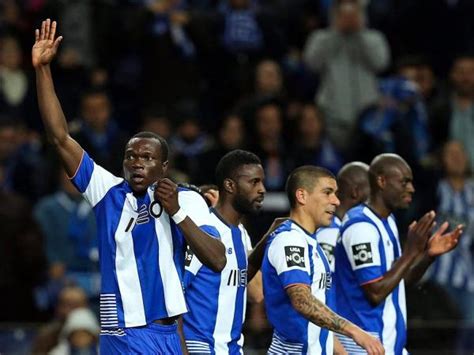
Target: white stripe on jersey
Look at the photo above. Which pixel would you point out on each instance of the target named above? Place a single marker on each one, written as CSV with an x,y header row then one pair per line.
x,y
174,298
279,346
127,271
100,183
389,334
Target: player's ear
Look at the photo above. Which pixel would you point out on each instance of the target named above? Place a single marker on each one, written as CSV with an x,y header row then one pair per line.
x,y
164,166
229,186
381,181
300,195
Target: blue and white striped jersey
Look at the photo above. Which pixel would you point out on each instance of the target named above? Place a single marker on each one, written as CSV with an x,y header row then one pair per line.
x,y
217,301
456,268
140,247
366,251
327,239
293,256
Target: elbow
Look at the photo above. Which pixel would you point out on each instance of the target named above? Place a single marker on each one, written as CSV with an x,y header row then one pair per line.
x,y
374,298
219,264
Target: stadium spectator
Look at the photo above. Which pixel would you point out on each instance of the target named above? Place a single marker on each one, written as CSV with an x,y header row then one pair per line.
x,y
134,215
455,270
269,145
68,225
69,299
297,275
371,268
312,146
347,56
231,135
98,132
80,334
452,118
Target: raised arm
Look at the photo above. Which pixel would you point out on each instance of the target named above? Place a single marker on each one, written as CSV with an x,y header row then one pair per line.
x,y
318,313
210,251
43,52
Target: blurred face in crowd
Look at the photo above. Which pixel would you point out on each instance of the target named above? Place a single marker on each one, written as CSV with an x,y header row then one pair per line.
x,y
9,141
268,77
96,110
10,53
158,125
239,4
231,133
422,76
189,130
70,298
454,159
269,123
311,124
143,163
462,76
348,17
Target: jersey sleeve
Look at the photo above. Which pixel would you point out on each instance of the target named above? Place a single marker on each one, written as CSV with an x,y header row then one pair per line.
x,y
92,180
288,254
361,244
196,208
192,266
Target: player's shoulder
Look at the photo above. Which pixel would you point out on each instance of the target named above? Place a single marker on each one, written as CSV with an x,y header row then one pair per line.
x,y
288,233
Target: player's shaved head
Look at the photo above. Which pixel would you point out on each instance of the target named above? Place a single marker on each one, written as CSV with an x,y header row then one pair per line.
x,y
305,177
353,175
384,164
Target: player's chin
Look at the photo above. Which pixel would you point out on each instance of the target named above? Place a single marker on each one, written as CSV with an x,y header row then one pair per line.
x,y
139,188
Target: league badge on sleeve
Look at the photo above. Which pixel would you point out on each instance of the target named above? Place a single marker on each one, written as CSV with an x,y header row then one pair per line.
x,y
362,254
294,256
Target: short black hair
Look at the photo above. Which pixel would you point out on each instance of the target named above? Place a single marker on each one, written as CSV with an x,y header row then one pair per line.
x,y
232,161
163,143
304,177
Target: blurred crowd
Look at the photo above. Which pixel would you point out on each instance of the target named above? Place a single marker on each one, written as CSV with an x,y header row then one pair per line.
x,y
297,82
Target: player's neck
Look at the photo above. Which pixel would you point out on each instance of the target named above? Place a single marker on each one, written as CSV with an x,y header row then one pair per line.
x,y
228,213
304,220
378,206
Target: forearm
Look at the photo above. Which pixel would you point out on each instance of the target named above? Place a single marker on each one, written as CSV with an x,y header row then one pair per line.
x,y
377,291
418,269
256,257
51,112
184,348
316,311
210,251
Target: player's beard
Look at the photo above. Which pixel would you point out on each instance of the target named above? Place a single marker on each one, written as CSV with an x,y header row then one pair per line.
x,y
244,206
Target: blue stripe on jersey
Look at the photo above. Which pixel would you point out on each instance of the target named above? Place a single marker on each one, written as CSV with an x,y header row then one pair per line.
x,y
241,254
83,174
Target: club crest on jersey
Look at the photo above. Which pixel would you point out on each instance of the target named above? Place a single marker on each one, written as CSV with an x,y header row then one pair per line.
x,y
362,254
156,209
294,256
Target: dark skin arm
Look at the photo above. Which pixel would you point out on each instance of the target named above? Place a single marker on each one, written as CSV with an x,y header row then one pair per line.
x,y
184,348
43,52
418,233
318,313
256,257
438,244
210,251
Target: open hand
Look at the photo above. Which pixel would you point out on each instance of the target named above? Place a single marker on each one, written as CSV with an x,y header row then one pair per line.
x,y
46,46
419,233
440,243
